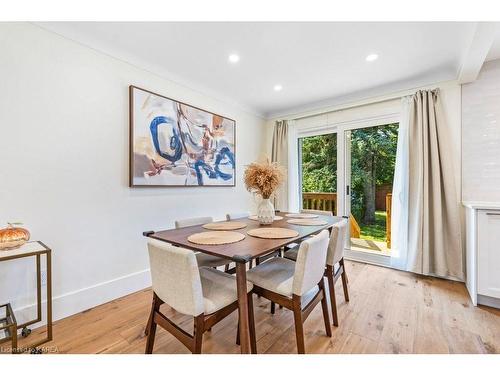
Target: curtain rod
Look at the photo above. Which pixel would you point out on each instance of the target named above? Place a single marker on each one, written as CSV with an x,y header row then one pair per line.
x,y
364,102
348,106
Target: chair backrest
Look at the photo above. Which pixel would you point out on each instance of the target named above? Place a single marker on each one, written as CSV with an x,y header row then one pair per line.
x,y
237,215
317,212
176,277
310,264
192,221
337,242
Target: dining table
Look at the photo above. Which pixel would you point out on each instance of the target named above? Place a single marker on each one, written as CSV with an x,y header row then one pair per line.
x,y
243,252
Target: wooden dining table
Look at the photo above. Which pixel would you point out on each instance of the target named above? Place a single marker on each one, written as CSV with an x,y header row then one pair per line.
x,y
243,252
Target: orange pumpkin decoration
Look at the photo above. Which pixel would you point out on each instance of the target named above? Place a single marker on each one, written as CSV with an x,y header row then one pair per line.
x,y
13,237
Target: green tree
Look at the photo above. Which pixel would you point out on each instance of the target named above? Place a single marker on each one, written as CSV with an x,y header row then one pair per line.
x,y
373,154
373,157
319,163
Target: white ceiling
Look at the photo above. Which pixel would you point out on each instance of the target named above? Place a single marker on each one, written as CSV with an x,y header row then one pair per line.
x,y
314,62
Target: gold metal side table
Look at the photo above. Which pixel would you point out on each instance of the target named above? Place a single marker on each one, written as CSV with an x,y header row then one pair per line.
x,y
8,326
34,249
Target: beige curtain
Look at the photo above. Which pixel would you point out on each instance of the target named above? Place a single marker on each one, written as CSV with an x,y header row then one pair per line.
x,y
279,154
434,232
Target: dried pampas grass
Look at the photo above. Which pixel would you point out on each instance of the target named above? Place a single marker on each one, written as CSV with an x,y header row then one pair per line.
x,y
264,178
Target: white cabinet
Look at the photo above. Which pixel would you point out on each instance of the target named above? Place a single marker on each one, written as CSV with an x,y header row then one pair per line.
x,y
488,253
483,253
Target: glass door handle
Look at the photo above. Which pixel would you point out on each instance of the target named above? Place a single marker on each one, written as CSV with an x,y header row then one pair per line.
x,y
347,190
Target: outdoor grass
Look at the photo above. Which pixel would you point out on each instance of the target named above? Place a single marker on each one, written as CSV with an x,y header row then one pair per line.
x,y
375,232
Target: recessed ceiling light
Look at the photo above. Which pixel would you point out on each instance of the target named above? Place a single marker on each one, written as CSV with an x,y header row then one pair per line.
x,y
372,57
233,58
278,87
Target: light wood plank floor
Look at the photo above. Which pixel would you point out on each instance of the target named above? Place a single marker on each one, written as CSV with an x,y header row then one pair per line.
x,y
389,312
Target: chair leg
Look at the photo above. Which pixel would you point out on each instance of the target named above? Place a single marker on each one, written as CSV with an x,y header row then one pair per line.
x,y
299,325
333,300
151,329
344,280
146,330
251,319
273,307
324,307
238,333
198,333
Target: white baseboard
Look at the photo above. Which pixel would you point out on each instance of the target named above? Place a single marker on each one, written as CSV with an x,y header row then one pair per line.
x,y
71,303
488,301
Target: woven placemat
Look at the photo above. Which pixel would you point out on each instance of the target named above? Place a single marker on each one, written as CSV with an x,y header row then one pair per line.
x,y
255,217
303,216
273,233
307,222
218,237
225,225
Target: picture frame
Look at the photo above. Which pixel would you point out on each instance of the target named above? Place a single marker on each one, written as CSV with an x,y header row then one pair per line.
x,y
174,144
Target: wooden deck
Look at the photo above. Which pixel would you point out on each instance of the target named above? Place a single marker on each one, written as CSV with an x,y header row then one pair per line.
x,y
390,312
372,246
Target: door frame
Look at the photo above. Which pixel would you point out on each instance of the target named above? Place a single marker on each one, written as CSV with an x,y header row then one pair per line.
x,y
343,206
311,133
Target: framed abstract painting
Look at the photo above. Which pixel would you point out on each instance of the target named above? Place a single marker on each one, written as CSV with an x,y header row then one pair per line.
x,y
176,144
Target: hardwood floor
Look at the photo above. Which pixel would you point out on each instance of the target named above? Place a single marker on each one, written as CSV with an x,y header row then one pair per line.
x,y
389,312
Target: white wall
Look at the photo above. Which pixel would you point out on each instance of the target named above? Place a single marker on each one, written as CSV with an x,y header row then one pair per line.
x,y
64,167
481,136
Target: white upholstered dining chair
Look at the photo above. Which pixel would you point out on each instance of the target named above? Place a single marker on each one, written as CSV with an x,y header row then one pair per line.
x,y
317,212
335,266
297,286
206,294
192,221
291,252
237,215
204,260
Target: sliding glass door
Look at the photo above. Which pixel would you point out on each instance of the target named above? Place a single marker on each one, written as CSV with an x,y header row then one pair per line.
x,y
349,170
370,156
318,172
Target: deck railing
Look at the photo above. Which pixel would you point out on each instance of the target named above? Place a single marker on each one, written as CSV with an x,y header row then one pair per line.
x,y
320,201
328,202
388,208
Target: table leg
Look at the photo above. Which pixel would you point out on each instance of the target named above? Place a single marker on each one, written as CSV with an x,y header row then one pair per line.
x,y
241,285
